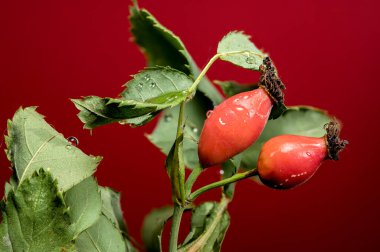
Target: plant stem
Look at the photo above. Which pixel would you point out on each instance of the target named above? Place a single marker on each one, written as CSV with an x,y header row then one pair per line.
x,y
176,222
212,60
234,178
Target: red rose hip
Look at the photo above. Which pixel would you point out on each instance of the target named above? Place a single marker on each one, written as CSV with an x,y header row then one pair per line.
x,y
287,161
238,121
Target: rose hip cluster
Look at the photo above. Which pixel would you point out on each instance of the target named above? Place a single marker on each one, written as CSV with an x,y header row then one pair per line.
x,y
285,161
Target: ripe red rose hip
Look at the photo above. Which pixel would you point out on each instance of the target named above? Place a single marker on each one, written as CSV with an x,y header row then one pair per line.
x,y
287,161
237,122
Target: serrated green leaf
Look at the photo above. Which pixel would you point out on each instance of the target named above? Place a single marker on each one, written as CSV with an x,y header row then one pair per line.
x,y
36,217
209,224
149,92
231,88
237,41
111,207
5,242
163,48
84,204
153,226
297,120
32,143
101,237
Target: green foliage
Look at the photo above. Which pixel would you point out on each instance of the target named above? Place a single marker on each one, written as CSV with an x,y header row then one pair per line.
x,y
239,42
231,88
230,168
101,237
84,204
153,226
111,207
298,120
149,92
36,217
32,143
209,224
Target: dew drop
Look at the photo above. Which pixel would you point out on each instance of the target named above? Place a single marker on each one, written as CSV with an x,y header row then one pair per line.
x,y
153,84
140,85
208,114
221,121
69,147
308,153
194,129
221,172
147,77
250,60
168,118
73,140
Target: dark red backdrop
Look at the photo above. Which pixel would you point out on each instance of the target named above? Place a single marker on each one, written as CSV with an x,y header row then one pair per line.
x,y
326,52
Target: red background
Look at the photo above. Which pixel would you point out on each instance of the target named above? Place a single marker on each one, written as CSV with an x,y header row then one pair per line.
x,y
326,52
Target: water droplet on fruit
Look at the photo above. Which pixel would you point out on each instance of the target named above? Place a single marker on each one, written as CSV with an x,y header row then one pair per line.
x,y
221,121
168,118
221,172
73,140
308,153
208,114
250,60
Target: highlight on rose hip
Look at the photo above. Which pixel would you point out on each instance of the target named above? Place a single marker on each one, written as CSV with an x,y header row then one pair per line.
x,y
52,201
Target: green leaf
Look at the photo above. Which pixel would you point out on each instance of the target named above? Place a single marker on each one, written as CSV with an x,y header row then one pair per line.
x,y
153,226
32,143
230,168
5,242
102,236
209,224
164,134
298,120
231,88
163,48
35,217
149,92
237,41
84,204
111,207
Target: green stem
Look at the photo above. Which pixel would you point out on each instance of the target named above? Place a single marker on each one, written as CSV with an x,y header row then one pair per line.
x,y
212,60
176,222
234,178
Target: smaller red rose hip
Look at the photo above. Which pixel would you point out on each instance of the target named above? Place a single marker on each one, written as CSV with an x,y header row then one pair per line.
x,y
287,161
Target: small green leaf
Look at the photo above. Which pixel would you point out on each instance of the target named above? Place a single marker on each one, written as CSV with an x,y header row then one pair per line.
x,y
231,88
236,42
101,237
149,92
298,120
163,48
84,204
35,217
209,224
153,226
230,168
111,207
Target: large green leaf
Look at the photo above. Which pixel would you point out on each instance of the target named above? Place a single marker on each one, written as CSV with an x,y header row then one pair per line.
x,y
101,237
149,92
84,204
32,143
163,48
209,224
35,217
153,226
300,120
235,42
111,207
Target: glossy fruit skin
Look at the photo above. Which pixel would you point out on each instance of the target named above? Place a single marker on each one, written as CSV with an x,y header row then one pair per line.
x,y
233,126
287,161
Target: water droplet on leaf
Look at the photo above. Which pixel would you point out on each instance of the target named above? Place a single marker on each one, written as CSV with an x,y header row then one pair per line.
x,y
168,118
221,172
73,140
250,60
153,84
194,129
